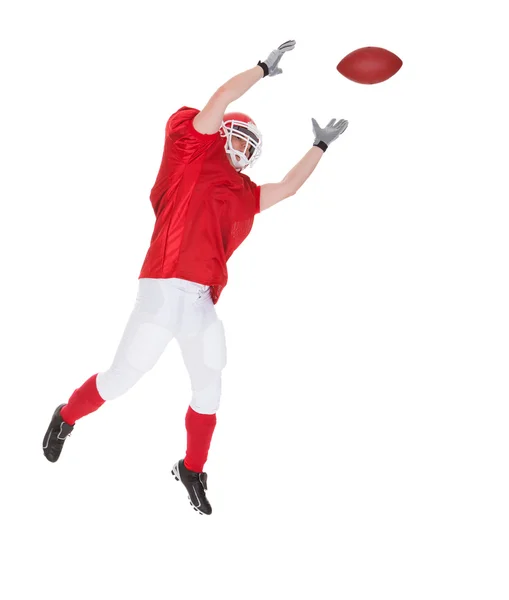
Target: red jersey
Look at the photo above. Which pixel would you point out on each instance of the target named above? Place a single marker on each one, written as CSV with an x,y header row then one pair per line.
x,y
204,208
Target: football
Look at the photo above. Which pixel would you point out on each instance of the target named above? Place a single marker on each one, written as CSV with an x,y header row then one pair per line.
x,y
369,65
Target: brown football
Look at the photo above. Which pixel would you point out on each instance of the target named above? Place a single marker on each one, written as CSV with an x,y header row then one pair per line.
x,y
369,65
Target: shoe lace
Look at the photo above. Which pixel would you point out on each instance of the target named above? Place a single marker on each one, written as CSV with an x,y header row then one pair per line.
x,y
200,478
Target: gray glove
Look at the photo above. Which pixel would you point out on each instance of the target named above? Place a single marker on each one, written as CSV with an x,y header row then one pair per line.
x,y
323,137
270,64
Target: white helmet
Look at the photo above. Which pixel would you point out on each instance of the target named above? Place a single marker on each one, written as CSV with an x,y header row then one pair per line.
x,y
240,125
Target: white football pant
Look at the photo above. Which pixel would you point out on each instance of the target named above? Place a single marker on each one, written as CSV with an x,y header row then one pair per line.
x,y
167,309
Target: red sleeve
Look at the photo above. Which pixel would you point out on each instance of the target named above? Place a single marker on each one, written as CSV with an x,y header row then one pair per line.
x,y
181,133
251,202
253,194
257,191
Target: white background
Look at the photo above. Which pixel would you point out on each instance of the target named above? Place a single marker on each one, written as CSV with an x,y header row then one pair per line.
x,y
361,449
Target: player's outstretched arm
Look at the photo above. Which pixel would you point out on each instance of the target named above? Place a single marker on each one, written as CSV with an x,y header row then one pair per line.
x,y
208,120
272,193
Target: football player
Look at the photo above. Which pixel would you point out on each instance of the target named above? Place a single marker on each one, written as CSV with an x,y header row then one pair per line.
x,y
204,209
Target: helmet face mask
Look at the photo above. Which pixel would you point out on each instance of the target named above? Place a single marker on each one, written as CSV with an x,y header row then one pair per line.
x,y
237,126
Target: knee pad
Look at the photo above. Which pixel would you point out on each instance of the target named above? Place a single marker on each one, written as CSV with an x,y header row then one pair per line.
x,y
214,346
206,401
147,344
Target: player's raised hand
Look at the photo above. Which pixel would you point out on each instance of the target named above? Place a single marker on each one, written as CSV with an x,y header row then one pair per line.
x,y
270,64
329,133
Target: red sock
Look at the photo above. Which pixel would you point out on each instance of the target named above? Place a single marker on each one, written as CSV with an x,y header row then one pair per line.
x,y
83,401
199,434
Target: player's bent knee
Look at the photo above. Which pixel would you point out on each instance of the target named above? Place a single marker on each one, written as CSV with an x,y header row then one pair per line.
x,y
207,400
115,382
209,408
214,346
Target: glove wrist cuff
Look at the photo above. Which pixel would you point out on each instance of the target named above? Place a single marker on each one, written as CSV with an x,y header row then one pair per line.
x,y
321,145
264,67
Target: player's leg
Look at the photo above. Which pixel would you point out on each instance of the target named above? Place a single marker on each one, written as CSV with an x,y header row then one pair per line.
x,y
153,322
203,347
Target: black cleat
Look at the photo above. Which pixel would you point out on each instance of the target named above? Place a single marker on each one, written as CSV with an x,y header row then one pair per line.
x,y
56,434
195,484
